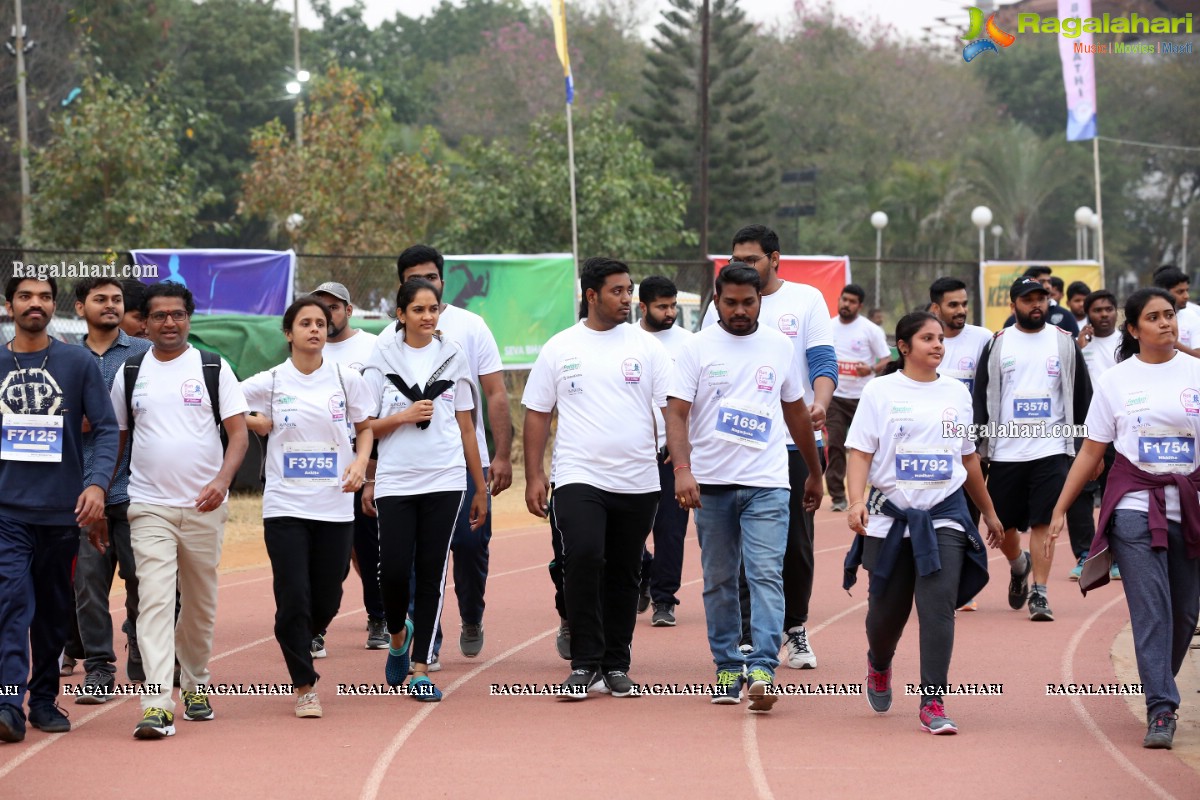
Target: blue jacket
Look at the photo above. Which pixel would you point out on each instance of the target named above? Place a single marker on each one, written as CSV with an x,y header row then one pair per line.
x,y
924,542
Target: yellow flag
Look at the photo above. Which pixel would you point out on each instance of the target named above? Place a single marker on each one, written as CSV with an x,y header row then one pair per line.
x,y
558,11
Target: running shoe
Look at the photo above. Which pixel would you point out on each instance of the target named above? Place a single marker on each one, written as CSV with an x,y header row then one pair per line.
x,y
934,719
49,718
838,505
1039,609
1077,570
318,647
728,690
1018,584
643,596
421,688
879,688
1114,573
67,668
562,642
133,657
377,635
308,706
97,688
579,683
1161,733
12,727
434,665
396,666
156,723
617,683
760,694
971,606
664,615
196,706
799,654
470,641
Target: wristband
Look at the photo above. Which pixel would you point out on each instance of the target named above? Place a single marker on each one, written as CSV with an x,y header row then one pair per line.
x,y
682,466
852,505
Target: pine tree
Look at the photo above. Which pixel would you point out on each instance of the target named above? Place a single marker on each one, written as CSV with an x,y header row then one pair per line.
x,y
739,180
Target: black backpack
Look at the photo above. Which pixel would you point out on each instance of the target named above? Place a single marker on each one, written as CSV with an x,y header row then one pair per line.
x,y
211,363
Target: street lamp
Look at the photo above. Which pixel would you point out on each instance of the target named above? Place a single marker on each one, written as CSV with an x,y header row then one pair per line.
x,y
1084,218
880,221
982,217
997,232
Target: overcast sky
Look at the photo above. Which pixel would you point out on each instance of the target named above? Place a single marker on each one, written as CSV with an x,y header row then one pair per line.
x,y
908,16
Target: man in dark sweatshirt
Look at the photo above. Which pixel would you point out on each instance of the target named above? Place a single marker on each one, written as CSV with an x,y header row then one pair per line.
x,y
46,390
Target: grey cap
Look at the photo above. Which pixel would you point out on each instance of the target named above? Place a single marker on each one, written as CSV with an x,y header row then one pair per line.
x,y
335,289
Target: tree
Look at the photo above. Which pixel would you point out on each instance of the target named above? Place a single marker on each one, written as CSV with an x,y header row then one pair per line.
x,y
510,202
670,121
113,174
355,194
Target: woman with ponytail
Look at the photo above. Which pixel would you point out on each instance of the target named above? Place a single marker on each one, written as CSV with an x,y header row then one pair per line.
x,y
910,440
1148,406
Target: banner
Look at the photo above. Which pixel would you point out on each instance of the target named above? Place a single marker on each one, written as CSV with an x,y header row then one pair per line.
x,y
227,281
996,279
827,274
558,13
1079,73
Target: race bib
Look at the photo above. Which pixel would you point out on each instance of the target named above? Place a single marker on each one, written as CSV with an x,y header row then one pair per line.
x,y
924,467
848,368
1031,406
744,423
310,464
1167,450
31,437
965,376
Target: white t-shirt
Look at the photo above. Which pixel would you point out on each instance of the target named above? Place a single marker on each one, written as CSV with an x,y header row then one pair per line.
x,y
857,342
1189,327
799,311
961,357
673,339
414,461
735,385
604,384
1031,391
914,465
309,415
483,356
352,352
176,448
1100,355
1151,412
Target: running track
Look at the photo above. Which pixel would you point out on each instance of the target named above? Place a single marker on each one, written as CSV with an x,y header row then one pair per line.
x,y
1022,742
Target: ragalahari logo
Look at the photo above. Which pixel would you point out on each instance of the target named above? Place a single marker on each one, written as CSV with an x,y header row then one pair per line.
x,y
980,43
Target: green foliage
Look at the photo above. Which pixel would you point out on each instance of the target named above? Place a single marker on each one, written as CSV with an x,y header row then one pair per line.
x,y
507,202
113,173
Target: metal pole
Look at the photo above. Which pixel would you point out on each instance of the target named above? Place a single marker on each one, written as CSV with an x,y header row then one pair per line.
x,y
1099,208
995,248
702,102
982,247
22,124
296,54
878,258
1183,253
574,212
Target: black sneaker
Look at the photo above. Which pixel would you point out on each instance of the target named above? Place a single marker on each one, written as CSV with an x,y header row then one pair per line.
x,y
377,635
196,706
1039,609
50,719
643,597
562,642
664,615
156,723
617,683
133,662
97,688
470,640
317,648
579,683
12,726
1018,585
1161,733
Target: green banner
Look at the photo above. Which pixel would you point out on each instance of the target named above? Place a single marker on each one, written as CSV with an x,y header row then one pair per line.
x,y
524,299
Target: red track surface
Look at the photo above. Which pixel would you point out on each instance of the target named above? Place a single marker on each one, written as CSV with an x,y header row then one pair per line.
x,y
1020,743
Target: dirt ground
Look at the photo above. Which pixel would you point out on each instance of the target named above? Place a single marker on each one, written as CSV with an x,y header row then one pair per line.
x,y
244,547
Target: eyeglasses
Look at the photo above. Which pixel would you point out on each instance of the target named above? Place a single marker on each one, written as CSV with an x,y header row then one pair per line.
x,y
750,261
161,316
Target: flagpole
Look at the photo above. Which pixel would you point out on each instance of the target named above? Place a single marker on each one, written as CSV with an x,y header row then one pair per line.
x,y
574,211
1099,209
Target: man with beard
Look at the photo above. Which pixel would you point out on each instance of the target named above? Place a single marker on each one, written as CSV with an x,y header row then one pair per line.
x,y
1031,388
46,390
737,385
351,348
661,572
1056,315
862,353
104,546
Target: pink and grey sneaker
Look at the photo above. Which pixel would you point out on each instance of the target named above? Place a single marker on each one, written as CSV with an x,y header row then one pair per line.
x,y
879,688
934,719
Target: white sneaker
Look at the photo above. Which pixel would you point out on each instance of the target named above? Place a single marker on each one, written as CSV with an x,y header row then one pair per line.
x,y
308,706
799,654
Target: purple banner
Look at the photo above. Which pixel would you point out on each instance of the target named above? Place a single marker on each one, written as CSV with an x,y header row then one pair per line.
x,y
227,281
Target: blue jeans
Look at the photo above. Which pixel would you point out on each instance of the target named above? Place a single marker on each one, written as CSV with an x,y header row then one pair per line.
x,y
735,527
1161,589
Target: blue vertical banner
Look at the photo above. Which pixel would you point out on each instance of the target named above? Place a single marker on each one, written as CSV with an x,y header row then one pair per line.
x,y
227,281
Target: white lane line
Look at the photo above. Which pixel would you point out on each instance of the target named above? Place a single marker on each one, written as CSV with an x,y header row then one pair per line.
x,y
1068,672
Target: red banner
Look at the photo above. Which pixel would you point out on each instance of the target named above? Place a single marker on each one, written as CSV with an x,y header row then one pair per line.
x,y
828,274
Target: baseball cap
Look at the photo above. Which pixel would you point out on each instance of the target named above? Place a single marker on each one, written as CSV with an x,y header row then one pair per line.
x,y
1023,286
339,291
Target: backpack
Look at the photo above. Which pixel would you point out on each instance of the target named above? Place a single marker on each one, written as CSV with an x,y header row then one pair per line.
x,y
211,369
